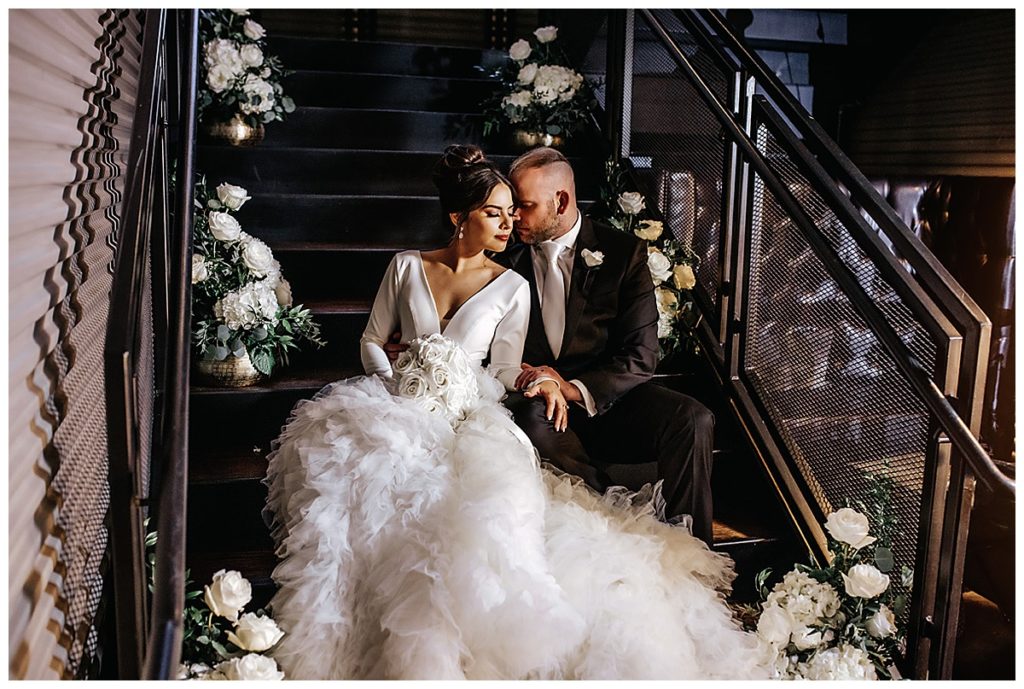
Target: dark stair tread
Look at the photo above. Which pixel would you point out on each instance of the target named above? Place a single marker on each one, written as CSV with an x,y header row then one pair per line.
x,y
307,376
390,91
228,466
334,306
254,565
298,52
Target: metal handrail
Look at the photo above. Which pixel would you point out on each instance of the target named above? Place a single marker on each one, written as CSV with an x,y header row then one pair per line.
x,y
154,656
125,472
945,414
164,644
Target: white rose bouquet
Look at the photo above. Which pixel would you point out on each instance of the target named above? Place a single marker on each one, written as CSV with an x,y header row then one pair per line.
x,y
217,641
540,92
241,304
838,621
238,80
435,372
671,264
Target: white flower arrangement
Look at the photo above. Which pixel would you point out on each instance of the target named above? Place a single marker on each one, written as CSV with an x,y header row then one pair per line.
x,y
435,372
837,621
238,80
671,265
217,642
241,304
539,91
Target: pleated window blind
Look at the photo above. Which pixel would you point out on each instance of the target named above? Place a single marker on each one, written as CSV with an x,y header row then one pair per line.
x,y
73,82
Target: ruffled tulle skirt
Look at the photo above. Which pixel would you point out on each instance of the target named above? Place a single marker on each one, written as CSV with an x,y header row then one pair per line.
x,y
412,549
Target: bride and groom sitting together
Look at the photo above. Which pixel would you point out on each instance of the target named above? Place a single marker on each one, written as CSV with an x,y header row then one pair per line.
x,y
415,547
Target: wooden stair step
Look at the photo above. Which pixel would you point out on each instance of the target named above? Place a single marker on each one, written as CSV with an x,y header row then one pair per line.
x,y
309,52
324,88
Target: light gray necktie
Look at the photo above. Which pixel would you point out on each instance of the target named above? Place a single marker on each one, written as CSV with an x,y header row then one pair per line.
x,y
553,304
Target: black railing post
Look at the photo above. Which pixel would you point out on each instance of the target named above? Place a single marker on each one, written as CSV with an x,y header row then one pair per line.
x,y
164,648
619,81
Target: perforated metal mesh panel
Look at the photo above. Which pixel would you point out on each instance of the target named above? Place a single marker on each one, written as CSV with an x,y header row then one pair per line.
x,y
673,131
840,405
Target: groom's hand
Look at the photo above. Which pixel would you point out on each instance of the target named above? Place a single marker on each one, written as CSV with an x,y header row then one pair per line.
x,y
393,347
531,373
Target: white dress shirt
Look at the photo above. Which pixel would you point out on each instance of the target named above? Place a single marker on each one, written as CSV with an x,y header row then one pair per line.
x,y
565,262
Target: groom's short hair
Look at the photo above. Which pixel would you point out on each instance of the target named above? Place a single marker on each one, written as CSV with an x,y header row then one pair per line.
x,y
538,157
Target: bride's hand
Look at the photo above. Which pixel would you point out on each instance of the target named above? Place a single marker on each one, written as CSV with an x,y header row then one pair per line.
x,y
557,408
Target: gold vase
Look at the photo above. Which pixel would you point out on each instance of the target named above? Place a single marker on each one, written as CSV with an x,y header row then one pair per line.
x,y
529,139
235,132
233,372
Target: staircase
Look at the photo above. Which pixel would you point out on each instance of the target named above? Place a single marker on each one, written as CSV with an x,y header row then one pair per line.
x,y
337,189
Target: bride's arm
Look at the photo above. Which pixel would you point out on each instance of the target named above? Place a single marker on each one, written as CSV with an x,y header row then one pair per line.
x,y
383,321
510,338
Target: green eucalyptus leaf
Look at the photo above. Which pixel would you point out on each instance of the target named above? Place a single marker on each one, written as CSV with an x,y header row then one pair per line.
x,y
220,353
223,332
260,333
884,559
288,104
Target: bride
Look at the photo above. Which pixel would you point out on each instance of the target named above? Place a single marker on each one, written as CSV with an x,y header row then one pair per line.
x,y
420,537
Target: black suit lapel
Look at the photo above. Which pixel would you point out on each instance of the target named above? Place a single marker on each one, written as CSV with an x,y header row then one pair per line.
x,y
579,285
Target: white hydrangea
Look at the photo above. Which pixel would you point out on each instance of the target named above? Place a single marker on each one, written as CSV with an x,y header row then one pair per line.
x,y
252,87
223,52
555,83
808,601
247,306
219,77
519,99
845,662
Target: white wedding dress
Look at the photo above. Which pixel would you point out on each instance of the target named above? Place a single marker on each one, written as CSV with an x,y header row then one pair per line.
x,y
412,549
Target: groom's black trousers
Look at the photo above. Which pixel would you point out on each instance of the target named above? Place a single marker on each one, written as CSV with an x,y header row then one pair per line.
x,y
648,423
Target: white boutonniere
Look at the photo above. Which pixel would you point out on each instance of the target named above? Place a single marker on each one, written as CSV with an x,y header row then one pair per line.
x,y
592,258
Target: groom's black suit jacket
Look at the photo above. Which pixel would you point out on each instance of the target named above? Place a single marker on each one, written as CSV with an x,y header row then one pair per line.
x,y
611,318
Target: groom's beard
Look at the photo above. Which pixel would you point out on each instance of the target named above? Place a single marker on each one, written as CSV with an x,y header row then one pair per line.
x,y
547,229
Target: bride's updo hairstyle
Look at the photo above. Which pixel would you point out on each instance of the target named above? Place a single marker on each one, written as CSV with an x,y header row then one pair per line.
x,y
464,179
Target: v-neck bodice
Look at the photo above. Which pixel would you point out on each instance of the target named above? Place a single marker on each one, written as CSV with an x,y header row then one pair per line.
x,y
442,326
494,320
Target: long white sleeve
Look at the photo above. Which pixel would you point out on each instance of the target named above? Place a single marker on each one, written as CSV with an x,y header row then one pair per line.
x,y
510,338
383,321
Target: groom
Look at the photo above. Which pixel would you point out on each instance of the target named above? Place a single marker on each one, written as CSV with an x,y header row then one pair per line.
x,y
593,329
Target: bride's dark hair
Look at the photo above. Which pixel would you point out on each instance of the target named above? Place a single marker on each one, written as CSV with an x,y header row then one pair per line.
x,y
465,178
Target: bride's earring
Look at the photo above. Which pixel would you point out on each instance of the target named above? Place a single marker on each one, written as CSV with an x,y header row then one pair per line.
x,y
460,231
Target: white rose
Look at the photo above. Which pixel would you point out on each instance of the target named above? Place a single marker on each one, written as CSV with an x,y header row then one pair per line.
x,y
683,277
199,270
223,52
232,196
527,74
520,50
219,77
405,362
266,299
413,385
223,226
253,30
440,375
432,351
882,623
546,34
668,304
849,526
257,257
251,667
649,229
241,13
554,82
659,265
775,625
255,632
433,405
631,202
251,55
283,292
228,593
865,581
